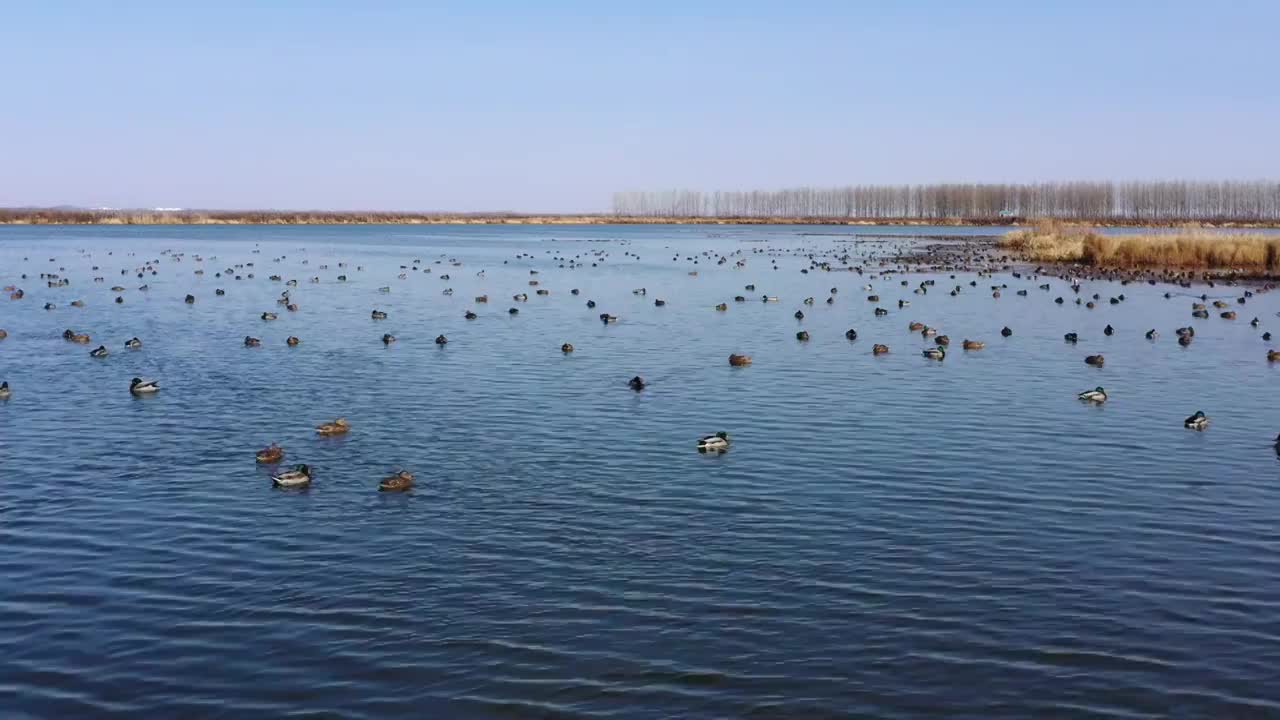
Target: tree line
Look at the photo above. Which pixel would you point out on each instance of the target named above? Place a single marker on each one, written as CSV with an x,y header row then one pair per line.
x,y
1134,201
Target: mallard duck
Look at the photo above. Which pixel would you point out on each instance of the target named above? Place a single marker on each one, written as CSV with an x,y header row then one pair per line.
x,y
722,307
251,341
1096,395
636,383
879,349
973,345
522,297
803,336
388,338
77,303
566,348
943,340
739,360
935,353
99,352
1229,315
337,427
133,343
270,455
138,386
714,443
928,332
398,482
299,476
1199,421
5,392
292,341
915,326
441,340
850,334
1273,355
269,316
1095,360
378,315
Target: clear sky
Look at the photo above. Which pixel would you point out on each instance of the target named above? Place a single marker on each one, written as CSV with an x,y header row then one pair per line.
x,y
553,105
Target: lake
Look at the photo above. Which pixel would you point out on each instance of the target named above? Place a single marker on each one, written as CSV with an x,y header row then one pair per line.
x,y
888,536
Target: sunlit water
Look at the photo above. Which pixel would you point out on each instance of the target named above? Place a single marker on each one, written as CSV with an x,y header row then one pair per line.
x,y
888,536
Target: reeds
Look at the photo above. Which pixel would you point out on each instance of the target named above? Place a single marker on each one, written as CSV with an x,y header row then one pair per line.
x,y
1187,247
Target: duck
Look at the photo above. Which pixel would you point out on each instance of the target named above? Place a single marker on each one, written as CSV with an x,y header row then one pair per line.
x,y
251,341
1006,331
299,476
99,352
481,299
388,338
190,299
881,311
1199,421
656,303
1273,355
378,315
513,311
943,340
138,386
928,332
49,306
803,336
397,482
1152,334
442,340
736,360
77,303
722,307
879,349
1108,331
714,443
1184,340
591,303
935,353
268,316
606,318
1266,336
468,315
81,338
566,348
1097,395
799,315
1071,337
5,392
915,326
636,383
851,334
1095,360
338,427
270,454
133,343
292,341
973,344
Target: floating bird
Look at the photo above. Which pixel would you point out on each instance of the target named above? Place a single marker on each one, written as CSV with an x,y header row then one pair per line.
x,y
1152,334
935,353
441,340
714,443
133,343
739,360
1006,332
5,392
299,476
190,299
1095,360
339,426
566,348
378,315
803,336
398,482
1199,421
99,352
1071,337
606,318
636,383
292,341
851,334
1097,395
268,316
879,349
973,345
270,455
138,386
388,338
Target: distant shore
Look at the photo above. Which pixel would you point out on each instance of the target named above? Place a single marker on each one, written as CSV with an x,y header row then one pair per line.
x,y
25,216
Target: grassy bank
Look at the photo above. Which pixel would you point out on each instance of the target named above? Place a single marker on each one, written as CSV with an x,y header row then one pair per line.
x,y
56,216
1187,247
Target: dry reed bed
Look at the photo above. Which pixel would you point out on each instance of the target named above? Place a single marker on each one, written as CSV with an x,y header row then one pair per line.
x,y
1189,247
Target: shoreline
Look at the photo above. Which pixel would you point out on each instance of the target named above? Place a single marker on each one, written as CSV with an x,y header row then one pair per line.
x,y
93,217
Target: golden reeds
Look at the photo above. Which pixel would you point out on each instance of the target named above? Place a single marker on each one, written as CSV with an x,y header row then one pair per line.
x,y
1188,247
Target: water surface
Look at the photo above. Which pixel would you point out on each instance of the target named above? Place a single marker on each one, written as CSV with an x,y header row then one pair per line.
x,y
888,536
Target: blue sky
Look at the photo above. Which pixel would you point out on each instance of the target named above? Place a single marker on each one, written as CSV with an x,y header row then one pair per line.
x,y
554,105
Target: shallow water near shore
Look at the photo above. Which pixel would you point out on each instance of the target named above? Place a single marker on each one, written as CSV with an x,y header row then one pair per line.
x,y
887,536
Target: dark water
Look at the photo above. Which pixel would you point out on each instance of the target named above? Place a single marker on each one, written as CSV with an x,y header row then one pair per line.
x,y
888,536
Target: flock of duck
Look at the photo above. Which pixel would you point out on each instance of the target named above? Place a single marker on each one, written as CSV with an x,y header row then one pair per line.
x,y
941,258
